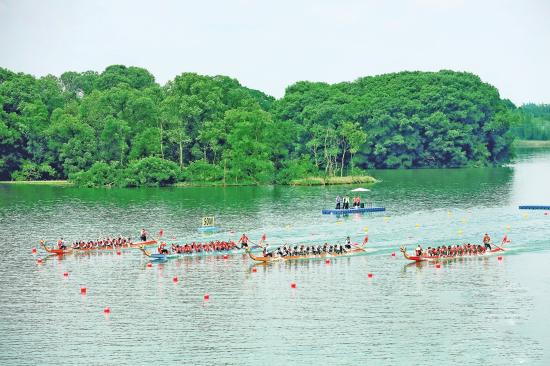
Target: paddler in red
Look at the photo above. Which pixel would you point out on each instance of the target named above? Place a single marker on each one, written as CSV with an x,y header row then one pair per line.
x,y
244,241
61,244
162,249
487,241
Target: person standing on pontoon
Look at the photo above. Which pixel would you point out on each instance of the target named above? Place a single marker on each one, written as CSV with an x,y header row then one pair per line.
x,y
338,202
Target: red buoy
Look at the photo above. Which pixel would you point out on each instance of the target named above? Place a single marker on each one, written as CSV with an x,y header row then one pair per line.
x,y
149,265
83,290
118,253
254,269
369,275
327,261
293,285
225,256
393,254
438,265
545,214
65,274
39,261
107,310
175,279
499,257
33,250
206,297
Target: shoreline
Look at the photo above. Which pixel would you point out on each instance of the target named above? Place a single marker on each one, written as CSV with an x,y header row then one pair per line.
x,y
310,181
532,143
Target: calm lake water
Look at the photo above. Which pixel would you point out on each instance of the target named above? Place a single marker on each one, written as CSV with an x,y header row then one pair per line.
x,y
477,311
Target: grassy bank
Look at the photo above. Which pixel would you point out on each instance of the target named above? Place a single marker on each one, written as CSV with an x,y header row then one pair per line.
x,y
320,181
532,143
39,182
310,181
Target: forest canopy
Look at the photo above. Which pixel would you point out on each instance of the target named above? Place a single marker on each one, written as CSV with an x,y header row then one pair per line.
x,y
534,122
121,128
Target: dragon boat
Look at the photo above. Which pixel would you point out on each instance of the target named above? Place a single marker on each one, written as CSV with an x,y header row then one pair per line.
x,y
214,253
426,258
139,244
354,251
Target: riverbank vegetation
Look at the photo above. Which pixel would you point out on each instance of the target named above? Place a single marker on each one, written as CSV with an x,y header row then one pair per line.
x,y
533,122
121,128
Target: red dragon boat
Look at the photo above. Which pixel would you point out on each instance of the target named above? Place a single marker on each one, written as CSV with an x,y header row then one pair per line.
x,y
427,258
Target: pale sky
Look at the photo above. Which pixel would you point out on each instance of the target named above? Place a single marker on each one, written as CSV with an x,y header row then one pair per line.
x,y
268,45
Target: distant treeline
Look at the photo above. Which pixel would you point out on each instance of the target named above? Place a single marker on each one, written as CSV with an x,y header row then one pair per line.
x,y
534,122
121,128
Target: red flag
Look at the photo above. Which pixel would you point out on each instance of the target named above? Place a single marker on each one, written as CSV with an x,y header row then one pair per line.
x,y
366,240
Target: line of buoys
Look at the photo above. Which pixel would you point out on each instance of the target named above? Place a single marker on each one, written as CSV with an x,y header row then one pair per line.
x,y
293,285
393,254
499,257
225,256
107,310
254,270
438,265
39,261
65,274
118,252
83,290
370,275
175,279
33,250
206,297
327,261
149,265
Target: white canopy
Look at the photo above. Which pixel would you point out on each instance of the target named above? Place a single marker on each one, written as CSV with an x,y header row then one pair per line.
x,y
360,190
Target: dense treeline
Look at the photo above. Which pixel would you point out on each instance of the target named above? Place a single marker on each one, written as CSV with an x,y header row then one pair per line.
x,y
534,122
121,128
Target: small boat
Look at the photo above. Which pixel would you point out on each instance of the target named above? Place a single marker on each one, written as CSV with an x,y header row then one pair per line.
x,y
356,250
138,244
55,251
425,258
352,210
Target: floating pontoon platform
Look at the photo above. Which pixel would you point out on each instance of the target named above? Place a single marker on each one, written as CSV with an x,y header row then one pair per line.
x,y
534,207
353,210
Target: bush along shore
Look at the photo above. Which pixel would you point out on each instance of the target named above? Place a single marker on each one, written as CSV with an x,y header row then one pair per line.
x,y
121,128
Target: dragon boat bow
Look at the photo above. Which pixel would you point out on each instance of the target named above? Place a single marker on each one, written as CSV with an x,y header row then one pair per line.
x,y
55,251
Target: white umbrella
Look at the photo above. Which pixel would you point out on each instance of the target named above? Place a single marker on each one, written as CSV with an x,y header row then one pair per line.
x,y
360,190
